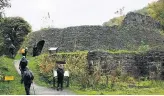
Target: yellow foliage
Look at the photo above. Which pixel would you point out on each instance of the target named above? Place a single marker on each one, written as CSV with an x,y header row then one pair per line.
x,y
114,21
156,11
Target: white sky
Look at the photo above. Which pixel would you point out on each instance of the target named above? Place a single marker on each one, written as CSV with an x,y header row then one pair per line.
x,y
65,13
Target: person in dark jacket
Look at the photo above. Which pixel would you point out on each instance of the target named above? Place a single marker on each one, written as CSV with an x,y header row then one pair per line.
x,y
25,52
28,78
60,76
22,65
11,50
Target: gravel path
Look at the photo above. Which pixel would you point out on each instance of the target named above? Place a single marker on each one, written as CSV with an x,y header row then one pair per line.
x,y
39,90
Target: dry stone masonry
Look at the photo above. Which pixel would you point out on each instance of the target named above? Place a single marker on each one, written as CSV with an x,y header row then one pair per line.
x,y
149,64
136,28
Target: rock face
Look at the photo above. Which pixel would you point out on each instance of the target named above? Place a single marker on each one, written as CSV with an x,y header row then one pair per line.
x,y
135,29
136,19
149,64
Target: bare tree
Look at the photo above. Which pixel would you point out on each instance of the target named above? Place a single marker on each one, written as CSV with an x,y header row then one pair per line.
x,y
3,4
120,11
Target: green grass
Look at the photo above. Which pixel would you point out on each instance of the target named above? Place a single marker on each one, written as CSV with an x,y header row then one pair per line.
x,y
13,87
73,53
18,56
146,88
122,51
110,51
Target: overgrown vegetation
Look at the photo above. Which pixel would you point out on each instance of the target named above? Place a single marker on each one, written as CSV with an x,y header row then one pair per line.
x,y
154,9
114,21
82,83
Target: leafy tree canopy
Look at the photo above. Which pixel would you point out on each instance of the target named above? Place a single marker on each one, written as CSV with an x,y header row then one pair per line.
x,y
18,23
143,11
12,31
156,10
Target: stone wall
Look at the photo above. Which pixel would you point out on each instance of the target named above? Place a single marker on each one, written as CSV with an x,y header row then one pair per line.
x,y
125,63
137,19
135,29
77,38
149,64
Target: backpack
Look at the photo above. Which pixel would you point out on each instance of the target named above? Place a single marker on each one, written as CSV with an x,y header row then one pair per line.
x,y
60,72
27,76
23,63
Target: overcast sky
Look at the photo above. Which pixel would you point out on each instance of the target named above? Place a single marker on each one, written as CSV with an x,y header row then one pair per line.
x,y
65,13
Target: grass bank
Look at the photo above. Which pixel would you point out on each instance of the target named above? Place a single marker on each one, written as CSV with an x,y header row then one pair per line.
x,y
13,87
144,88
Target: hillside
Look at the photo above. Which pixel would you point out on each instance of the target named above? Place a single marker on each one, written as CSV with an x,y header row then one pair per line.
x,y
154,10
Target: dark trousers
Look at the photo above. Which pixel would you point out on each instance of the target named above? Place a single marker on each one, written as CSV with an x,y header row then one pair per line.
x,y
22,71
27,88
24,54
60,82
